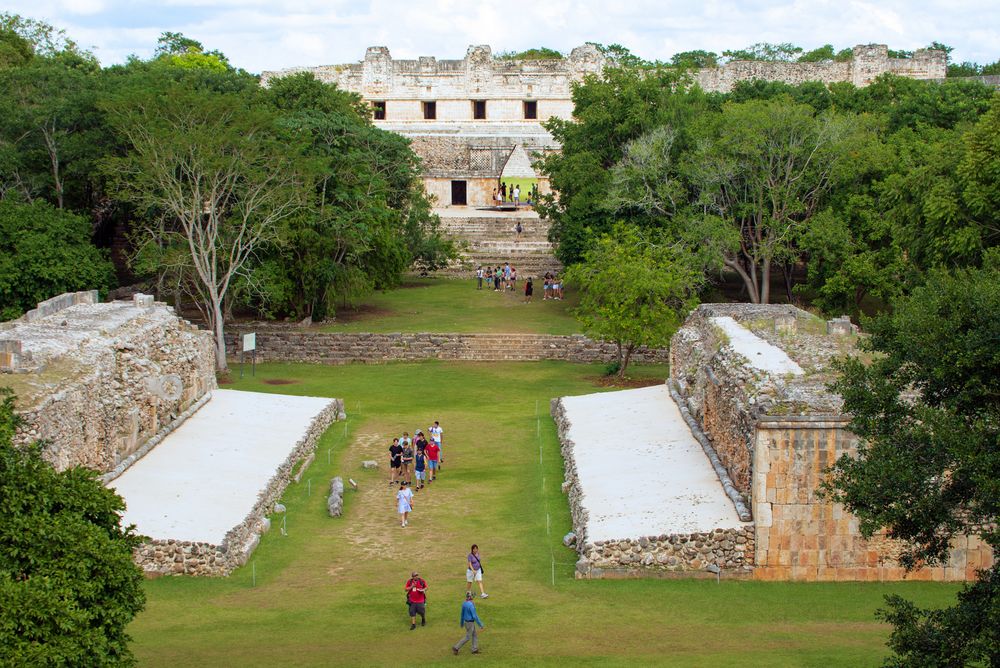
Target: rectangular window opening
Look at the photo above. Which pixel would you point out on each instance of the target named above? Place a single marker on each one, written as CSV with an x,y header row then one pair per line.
x,y
378,111
479,110
430,111
530,109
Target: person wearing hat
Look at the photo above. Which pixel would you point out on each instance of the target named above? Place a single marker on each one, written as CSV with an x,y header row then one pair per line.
x,y
416,599
469,620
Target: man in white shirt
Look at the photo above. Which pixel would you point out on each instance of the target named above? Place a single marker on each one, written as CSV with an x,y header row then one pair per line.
x,y
517,195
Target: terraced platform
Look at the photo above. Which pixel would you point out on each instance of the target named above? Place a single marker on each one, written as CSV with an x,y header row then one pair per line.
x,y
491,240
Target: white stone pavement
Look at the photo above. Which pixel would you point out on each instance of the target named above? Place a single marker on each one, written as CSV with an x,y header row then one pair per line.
x,y
761,354
204,477
641,470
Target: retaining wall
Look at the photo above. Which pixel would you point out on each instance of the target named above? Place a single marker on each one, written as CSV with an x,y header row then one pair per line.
x,y
300,345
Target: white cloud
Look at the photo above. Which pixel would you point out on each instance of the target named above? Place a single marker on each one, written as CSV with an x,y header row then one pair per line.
x,y
270,34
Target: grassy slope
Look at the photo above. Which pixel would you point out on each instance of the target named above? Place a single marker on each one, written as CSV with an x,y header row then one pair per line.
x,y
330,593
447,305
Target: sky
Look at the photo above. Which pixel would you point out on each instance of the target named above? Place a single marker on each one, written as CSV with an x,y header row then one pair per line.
x,y
262,35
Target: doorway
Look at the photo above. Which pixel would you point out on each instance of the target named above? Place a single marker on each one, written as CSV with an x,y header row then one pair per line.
x,y
458,193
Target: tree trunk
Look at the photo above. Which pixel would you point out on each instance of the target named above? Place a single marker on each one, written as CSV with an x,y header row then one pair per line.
x,y
620,355
787,271
628,358
220,336
765,283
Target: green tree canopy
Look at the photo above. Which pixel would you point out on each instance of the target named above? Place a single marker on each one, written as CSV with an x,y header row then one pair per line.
x,y
68,585
927,411
43,253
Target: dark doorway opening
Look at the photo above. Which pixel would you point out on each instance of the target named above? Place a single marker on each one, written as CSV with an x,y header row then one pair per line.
x,y
479,110
430,110
531,109
458,193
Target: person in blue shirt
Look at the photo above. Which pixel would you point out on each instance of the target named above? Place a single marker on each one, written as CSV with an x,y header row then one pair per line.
x,y
469,620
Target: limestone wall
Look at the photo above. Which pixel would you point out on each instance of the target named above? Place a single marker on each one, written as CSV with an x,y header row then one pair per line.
x,y
802,536
297,345
177,557
97,381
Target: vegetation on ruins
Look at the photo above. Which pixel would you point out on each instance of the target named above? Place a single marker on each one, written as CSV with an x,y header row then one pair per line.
x,y
45,252
68,585
635,289
538,53
928,469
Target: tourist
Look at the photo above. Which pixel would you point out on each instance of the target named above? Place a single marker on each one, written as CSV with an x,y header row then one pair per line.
x,y
407,461
436,433
556,287
419,466
489,276
404,503
416,599
517,231
547,287
517,195
432,450
506,276
493,198
503,192
468,621
474,572
395,461
528,289
513,278
420,441
497,275
479,278
498,199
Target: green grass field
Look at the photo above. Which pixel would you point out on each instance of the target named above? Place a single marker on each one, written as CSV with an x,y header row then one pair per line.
x,y
455,305
331,591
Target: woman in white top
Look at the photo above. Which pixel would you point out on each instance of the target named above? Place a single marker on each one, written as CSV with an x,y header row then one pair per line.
x,y
404,502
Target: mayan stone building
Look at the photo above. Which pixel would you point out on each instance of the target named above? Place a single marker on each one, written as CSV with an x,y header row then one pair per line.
x,y
753,379
100,383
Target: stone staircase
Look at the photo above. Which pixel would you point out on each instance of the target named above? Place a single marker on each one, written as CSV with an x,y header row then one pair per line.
x,y
491,241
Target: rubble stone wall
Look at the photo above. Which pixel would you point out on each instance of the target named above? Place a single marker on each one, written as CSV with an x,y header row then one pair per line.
x,y
105,378
665,555
297,345
177,557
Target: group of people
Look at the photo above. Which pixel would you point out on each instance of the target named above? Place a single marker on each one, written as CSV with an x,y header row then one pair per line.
x,y
414,463
504,278
512,194
416,601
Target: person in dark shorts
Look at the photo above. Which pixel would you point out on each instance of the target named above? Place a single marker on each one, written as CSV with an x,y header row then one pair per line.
x,y
420,466
395,461
416,599
528,290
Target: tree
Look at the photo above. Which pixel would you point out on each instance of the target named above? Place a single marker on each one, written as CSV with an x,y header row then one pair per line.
x,y
635,289
68,585
209,173
539,53
927,411
695,59
824,53
763,169
43,253
767,52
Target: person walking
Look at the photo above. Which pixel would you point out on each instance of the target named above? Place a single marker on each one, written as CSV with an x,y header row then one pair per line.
x,y
416,599
407,460
517,195
404,503
395,461
419,468
468,621
528,289
436,434
474,572
517,231
432,451
479,278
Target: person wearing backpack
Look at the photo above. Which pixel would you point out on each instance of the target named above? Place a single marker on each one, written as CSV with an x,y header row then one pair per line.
x,y
416,599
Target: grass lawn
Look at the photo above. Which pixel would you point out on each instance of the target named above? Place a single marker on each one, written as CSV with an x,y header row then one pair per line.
x,y
331,591
455,305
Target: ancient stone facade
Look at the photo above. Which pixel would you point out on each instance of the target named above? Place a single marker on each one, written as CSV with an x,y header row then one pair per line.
x,y
97,382
287,344
179,557
777,433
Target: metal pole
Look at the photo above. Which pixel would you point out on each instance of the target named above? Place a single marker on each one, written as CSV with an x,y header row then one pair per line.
x,y
253,572
309,487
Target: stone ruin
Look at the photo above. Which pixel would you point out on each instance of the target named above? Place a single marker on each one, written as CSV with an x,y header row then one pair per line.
x,y
753,380
99,383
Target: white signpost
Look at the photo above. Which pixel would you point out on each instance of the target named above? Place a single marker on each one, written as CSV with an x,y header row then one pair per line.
x,y
249,346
